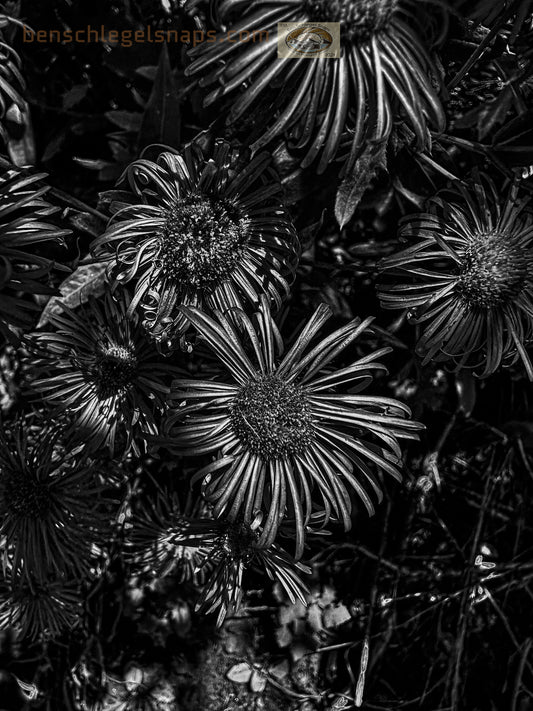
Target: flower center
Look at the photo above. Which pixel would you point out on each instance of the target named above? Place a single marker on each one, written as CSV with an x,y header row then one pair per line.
x,y
237,542
25,496
493,271
114,370
272,417
359,19
202,241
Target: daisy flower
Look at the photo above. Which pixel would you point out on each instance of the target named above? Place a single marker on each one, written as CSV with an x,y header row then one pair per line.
x,y
49,504
98,367
286,429
467,277
384,73
230,548
47,608
204,228
157,535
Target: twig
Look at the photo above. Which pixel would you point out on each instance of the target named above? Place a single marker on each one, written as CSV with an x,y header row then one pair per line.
x,y
520,672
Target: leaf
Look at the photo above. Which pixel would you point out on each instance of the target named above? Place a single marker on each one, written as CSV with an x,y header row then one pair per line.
x,y
54,145
73,97
512,143
87,280
494,113
134,678
354,185
279,670
308,234
314,617
21,143
126,120
465,387
84,222
240,673
335,616
258,681
290,612
161,120
148,72
92,164
299,650
283,636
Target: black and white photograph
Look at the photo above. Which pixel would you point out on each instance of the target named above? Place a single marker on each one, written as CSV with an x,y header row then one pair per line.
x,y
266,355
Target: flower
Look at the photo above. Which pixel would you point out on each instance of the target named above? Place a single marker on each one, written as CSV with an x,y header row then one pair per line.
x,y
49,504
47,608
23,227
231,547
470,277
206,229
156,539
383,73
285,430
98,367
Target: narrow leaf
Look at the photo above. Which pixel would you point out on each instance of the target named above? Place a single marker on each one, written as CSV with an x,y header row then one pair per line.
x,y
161,120
354,185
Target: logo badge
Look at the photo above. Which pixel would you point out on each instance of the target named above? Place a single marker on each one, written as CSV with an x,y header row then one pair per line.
x,y
309,40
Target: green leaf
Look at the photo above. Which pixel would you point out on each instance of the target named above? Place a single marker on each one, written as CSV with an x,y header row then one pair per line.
x,y
161,120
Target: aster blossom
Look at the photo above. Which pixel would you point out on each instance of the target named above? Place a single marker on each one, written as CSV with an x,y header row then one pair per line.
x,y
468,277
290,435
50,504
157,534
229,548
47,608
97,367
24,227
383,73
205,228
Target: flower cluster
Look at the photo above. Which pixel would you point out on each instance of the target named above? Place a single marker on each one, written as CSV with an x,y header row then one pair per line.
x,y
179,357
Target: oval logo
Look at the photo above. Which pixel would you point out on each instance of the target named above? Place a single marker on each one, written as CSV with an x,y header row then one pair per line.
x,y
309,40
